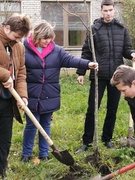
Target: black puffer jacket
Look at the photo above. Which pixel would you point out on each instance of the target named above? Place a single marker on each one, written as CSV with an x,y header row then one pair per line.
x,y
112,43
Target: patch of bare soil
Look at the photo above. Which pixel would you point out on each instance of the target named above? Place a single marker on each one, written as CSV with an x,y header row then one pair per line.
x,y
76,171
95,161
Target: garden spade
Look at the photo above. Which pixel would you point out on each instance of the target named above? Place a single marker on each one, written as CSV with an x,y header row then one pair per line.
x,y
115,173
62,156
130,129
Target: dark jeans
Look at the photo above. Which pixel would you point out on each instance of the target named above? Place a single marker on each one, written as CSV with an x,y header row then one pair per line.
x,y
113,97
6,121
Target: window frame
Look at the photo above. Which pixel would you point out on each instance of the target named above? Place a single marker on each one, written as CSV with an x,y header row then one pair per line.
x,y
5,14
65,19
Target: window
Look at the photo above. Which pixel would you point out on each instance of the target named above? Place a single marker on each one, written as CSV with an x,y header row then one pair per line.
x,y
7,8
69,29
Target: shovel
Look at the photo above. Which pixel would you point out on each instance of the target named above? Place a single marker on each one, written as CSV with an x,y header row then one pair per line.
x,y
62,156
115,173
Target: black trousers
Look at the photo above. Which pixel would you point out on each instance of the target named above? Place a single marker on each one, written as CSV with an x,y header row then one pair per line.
x,y
6,122
131,104
113,97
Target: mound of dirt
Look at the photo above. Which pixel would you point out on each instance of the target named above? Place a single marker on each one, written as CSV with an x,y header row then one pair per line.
x,y
95,161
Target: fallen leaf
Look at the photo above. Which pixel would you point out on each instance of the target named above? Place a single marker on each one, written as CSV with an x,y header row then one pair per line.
x,y
36,161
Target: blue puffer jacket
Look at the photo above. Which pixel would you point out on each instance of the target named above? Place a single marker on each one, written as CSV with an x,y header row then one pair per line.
x,y
43,76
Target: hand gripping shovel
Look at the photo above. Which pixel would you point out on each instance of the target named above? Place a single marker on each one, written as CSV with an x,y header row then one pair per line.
x,y
115,173
62,156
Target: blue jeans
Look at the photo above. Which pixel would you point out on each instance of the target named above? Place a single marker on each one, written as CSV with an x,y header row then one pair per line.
x,y
30,132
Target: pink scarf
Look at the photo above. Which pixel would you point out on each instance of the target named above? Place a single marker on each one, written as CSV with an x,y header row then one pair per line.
x,y
47,50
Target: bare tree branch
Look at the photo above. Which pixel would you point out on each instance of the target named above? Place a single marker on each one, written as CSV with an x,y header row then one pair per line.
x,y
92,48
74,14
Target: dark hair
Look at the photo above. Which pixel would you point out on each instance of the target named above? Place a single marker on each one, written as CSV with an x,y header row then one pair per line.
x,y
124,74
107,3
19,22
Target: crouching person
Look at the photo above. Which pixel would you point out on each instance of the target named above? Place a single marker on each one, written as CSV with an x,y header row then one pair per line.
x,y
124,79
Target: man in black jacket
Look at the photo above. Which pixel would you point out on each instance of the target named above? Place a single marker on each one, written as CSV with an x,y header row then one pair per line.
x,y
112,43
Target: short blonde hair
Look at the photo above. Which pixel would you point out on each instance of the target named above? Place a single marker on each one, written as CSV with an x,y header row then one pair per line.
x,y
43,30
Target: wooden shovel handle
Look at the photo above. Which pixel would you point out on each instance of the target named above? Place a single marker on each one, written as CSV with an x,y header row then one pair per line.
x,y
133,64
130,127
117,172
130,121
130,118
31,116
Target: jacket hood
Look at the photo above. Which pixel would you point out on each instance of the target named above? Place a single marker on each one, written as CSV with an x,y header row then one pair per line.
x,y
99,22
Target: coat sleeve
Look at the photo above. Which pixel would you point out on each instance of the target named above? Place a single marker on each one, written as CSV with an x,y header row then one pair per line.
x,y
4,74
4,64
20,72
70,61
127,50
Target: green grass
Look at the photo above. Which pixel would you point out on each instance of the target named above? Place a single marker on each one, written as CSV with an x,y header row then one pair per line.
x,y
66,132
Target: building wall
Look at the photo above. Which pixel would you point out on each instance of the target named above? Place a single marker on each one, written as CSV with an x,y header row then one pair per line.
x,y
95,9
33,9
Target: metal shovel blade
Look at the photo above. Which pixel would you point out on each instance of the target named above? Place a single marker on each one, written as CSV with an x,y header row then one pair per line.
x,y
64,157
